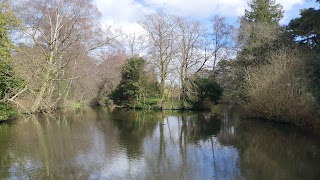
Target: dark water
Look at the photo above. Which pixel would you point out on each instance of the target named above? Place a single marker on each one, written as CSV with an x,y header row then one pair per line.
x,y
99,144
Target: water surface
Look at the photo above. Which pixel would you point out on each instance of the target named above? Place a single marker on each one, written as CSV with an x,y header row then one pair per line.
x,y
100,144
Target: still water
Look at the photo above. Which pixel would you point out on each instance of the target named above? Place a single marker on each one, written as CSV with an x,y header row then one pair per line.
x,y
100,144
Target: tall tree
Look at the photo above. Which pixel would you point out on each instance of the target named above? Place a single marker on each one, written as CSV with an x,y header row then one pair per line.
x,y
135,44
266,11
305,30
62,30
8,81
7,21
108,76
222,35
161,33
259,28
189,42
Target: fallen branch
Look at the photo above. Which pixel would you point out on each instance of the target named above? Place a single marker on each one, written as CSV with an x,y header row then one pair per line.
x,y
17,94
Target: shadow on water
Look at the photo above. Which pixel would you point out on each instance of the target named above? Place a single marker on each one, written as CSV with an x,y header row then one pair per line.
x,y
269,151
119,144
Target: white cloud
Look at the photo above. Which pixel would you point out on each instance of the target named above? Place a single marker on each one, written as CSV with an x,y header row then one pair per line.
x,y
126,13
130,28
122,13
200,8
288,6
122,10
208,8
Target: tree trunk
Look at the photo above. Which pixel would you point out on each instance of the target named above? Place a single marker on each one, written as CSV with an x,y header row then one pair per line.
x,y
39,98
162,88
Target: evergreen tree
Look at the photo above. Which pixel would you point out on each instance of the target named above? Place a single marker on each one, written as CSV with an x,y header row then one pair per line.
x,y
136,84
266,11
305,30
7,22
258,31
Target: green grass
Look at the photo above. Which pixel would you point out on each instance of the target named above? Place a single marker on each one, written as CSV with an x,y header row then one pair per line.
x,y
76,105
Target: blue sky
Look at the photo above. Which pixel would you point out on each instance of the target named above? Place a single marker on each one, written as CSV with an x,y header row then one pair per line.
x,y
126,13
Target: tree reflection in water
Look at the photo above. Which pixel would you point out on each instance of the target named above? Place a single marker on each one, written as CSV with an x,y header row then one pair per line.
x,y
98,144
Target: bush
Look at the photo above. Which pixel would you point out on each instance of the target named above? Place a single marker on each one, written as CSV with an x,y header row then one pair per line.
x,y
278,90
6,112
209,91
148,103
136,85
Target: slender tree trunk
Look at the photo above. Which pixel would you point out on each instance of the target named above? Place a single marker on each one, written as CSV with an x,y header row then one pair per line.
x,y
162,89
71,81
39,98
182,93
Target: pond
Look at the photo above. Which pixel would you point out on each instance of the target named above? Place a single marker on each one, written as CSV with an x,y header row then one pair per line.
x,y
119,144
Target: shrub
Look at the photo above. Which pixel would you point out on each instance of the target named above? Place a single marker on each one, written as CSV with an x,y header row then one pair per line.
x,y
148,103
278,90
135,86
6,112
209,91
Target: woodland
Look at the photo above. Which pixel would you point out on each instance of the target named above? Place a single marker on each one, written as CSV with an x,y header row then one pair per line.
x,y
56,54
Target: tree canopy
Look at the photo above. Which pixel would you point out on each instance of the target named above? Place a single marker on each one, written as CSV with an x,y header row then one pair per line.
x,y
266,11
7,80
306,28
258,31
7,22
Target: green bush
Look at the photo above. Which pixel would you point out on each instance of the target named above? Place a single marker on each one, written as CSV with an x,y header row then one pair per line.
x,y
6,112
136,88
148,103
209,91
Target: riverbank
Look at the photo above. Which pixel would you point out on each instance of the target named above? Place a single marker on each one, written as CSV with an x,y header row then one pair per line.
x,y
307,118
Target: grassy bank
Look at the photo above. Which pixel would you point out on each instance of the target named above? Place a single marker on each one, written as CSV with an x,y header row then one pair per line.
x,y
76,105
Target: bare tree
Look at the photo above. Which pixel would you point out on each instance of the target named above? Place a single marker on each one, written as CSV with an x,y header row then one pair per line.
x,y
108,75
222,38
161,35
190,55
135,44
61,30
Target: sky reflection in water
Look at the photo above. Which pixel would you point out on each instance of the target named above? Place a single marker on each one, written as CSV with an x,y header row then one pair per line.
x,y
99,144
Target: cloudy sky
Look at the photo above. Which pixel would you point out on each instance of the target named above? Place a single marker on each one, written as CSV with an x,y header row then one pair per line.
x,y
126,13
